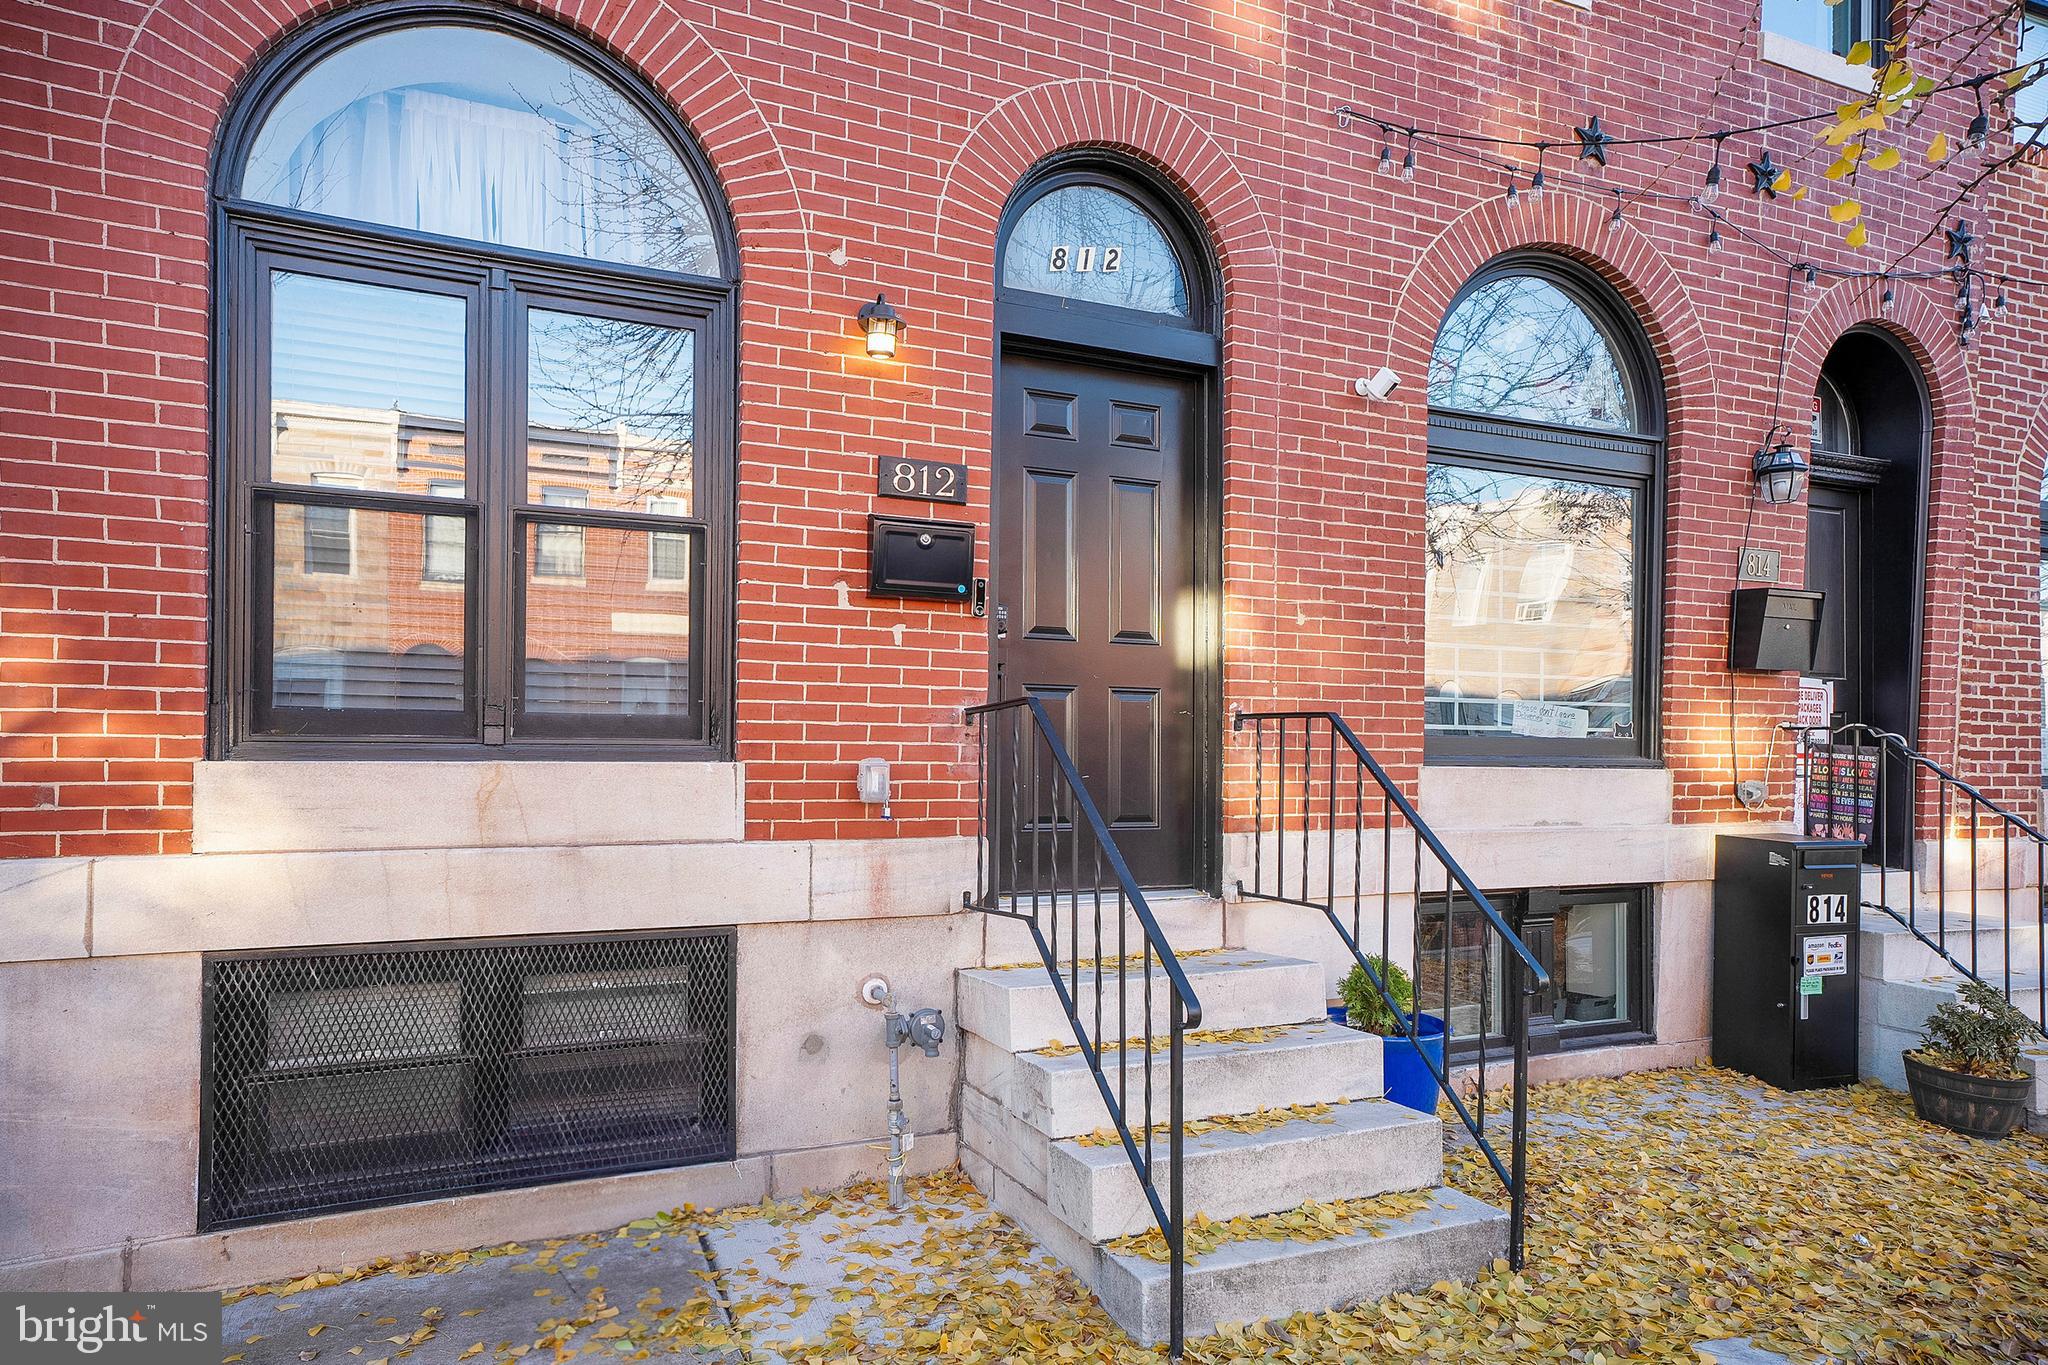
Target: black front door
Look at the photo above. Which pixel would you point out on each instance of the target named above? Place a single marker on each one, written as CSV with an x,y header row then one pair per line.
x,y
1094,588
1834,566
1838,529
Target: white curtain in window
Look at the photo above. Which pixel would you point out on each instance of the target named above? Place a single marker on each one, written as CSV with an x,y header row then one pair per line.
x,y
439,163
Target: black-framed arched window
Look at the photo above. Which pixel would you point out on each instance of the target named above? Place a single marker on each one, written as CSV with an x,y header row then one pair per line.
x,y
1545,440
1095,251
475,386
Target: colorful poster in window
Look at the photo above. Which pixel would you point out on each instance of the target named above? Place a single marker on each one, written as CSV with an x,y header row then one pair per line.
x,y
1841,792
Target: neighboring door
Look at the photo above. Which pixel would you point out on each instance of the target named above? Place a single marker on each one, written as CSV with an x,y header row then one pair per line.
x,y
1094,588
1834,566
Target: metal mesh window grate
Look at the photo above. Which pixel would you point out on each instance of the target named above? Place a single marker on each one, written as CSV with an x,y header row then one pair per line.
x,y
347,1078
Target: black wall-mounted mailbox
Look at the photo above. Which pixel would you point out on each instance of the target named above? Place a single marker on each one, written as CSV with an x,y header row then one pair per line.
x,y
1774,630
909,557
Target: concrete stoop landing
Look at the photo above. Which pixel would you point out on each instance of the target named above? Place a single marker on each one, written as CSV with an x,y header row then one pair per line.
x,y
1904,980
1023,1111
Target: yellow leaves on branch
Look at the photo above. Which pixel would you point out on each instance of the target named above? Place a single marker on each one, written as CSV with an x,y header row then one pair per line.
x,y
1894,85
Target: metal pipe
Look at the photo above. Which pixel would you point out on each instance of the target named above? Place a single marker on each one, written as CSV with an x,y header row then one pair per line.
x,y
897,1121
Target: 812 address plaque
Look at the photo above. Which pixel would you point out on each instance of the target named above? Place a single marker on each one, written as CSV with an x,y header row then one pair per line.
x,y
925,480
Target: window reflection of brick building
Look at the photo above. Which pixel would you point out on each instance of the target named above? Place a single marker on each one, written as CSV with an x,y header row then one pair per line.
x,y
370,605
1529,600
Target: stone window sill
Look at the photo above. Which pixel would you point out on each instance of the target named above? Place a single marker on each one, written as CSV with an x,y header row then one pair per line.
x,y
346,805
1794,55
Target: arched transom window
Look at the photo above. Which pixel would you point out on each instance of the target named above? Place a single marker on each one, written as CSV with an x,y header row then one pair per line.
x,y
1082,241
1540,522
476,383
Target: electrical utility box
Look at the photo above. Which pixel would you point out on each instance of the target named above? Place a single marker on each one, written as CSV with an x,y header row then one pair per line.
x,y
1786,914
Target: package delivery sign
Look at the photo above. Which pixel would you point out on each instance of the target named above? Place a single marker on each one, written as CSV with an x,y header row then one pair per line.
x,y
1826,955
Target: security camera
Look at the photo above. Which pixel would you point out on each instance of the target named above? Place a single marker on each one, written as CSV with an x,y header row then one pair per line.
x,y
1377,386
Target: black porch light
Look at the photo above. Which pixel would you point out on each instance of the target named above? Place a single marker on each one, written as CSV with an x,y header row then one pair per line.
x,y
882,325
1780,473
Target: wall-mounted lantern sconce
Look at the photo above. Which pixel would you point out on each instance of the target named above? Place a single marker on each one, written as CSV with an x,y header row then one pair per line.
x,y
882,325
1780,473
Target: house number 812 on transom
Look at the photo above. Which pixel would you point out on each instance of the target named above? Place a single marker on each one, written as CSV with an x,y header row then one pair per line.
x,y
1083,259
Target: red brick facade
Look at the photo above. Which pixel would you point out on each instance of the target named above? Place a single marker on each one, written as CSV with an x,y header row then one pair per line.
x,y
871,147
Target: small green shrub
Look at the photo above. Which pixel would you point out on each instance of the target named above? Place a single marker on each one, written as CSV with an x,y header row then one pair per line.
x,y
1978,1034
1363,1006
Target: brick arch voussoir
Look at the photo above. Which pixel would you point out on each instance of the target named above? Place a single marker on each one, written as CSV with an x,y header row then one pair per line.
x,y
1060,116
2033,452
1922,326
187,61
1577,229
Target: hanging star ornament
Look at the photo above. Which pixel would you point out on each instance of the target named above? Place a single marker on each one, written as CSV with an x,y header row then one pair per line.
x,y
1593,141
1959,239
1764,176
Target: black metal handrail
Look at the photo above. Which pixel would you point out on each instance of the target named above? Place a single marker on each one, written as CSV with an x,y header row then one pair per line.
x,y
1867,799
1019,873
1318,800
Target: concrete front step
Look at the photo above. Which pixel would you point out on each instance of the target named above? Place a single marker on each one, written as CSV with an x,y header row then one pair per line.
x,y
1354,1151
1302,1064
1888,950
1454,1238
1017,1009
1191,922
2034,1061
1898,887
1905,1005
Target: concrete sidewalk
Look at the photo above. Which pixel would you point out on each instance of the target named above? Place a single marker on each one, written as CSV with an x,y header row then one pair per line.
x,y
801,1277
1680,1217
604,1294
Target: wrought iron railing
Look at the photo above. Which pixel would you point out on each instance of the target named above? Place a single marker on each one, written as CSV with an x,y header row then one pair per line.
x,y
1045,858
1314,783
1884,779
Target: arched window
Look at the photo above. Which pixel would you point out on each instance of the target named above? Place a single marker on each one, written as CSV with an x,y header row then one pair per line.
x,y
1094,244
1544,447
476,386
1089,251
1834,424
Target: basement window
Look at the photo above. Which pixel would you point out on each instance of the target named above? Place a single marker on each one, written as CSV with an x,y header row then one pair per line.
x,y
355,1077
1593,942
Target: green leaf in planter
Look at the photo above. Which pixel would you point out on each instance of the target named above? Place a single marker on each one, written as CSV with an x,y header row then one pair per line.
x,y
1364,1005
1978,1033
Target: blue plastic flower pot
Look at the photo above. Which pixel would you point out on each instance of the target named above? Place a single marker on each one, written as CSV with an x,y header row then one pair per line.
x,y
1408,1078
